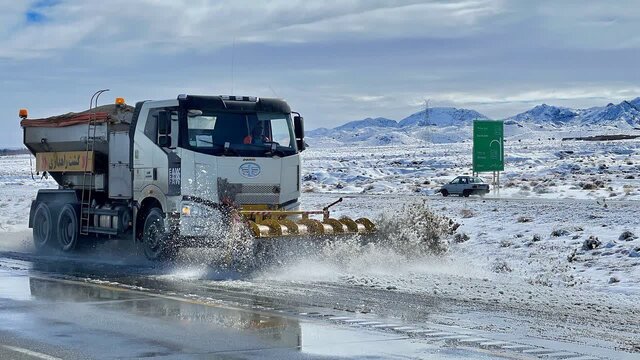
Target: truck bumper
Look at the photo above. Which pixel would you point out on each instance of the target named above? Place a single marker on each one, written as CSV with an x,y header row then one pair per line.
x,y
207,224
197,227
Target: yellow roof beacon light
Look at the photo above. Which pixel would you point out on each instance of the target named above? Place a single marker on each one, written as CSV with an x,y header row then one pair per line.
x,y
120,101
23,113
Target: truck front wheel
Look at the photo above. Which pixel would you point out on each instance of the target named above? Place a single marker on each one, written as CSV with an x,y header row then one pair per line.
x,y
43,229
156,241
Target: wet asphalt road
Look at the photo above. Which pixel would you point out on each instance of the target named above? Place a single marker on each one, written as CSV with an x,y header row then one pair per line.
x,y
65,307
48,310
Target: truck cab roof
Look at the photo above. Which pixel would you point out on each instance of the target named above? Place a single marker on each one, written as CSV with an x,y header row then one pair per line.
x,y
236,103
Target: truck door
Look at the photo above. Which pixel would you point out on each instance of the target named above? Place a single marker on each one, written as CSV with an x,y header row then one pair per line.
x,y
151,160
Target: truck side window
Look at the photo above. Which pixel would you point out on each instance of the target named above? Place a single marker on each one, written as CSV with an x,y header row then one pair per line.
x,y
151,126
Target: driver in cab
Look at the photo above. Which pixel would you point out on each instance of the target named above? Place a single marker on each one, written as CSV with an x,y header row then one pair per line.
x,y
257,136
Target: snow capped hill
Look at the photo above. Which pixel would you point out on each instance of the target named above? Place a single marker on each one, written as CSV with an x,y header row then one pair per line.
x,y
543,114
625,113
352,126
442,116
368,122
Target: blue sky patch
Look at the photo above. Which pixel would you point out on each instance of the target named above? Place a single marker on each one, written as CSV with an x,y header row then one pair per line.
x,y
35,13
34,17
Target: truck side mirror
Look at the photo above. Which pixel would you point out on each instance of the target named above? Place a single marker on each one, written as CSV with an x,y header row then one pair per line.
x,y
298,128
164,141
164,122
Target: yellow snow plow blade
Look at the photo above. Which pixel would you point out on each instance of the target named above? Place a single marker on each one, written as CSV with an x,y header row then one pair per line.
x,y
279,223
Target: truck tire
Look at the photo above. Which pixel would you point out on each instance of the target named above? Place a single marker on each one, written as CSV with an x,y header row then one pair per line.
x,y
43,229
444,193
156,241
466,193
67,228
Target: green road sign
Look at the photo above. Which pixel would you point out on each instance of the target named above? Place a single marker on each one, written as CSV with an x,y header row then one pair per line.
x,y
488,145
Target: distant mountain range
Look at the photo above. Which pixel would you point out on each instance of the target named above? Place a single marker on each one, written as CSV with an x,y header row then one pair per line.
x,y
379,131
624,113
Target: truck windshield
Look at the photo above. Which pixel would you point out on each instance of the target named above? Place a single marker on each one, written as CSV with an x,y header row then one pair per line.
x,y
240,134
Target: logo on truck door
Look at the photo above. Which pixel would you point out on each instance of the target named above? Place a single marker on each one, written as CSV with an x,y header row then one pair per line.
x,y
174,177
249,170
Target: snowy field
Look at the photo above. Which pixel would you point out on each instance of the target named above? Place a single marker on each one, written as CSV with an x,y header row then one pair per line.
x,y
17,189
565,217
536,168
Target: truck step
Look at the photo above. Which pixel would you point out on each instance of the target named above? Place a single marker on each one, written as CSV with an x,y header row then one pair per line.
x,y
102,230
100,212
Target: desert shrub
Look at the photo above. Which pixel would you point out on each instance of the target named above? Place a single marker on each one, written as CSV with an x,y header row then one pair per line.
x,y
505,243
460,237
501,266
416,230
467,213
627,236
541,189
589,186
591,243
560,232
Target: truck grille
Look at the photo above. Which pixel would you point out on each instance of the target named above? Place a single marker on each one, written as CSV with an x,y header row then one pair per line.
x,y
258,194
249,199
248,194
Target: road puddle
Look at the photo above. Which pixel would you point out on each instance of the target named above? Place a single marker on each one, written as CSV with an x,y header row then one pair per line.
x,y
14,286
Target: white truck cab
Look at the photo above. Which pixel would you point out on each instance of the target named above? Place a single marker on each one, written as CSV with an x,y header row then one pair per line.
x,y
196,154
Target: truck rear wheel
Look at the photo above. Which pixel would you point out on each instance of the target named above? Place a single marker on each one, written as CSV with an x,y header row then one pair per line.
x,y
156,241
67,228
43,229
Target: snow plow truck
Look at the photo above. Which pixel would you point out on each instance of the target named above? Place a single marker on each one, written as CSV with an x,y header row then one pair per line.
x,y
173,173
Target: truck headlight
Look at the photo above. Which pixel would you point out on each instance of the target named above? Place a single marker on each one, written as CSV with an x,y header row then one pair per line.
x,y
193,209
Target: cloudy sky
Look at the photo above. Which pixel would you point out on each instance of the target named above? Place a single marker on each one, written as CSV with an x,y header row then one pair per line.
x,y
334,61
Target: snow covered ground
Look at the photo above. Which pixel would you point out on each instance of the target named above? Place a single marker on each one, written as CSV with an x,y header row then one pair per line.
x,y
538,168
17,189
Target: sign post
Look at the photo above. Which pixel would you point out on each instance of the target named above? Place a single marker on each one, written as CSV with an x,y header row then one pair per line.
x,y
488,148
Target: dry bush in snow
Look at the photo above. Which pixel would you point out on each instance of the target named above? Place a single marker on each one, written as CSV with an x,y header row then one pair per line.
x,y
591,243
627,236
467,213
460,237
416,230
